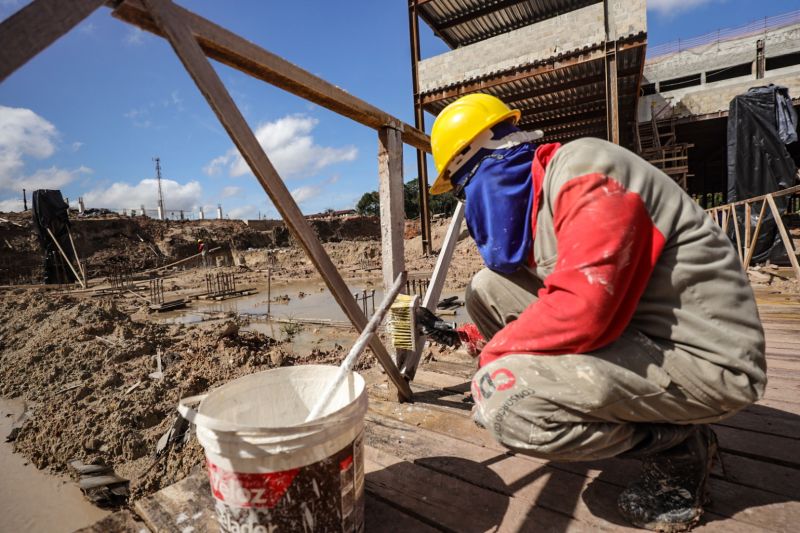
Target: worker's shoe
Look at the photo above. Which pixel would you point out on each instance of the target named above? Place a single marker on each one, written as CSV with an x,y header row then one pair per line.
x,y
672,487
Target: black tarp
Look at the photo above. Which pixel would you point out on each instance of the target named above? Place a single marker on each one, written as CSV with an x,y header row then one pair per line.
x,y
759,163
51,211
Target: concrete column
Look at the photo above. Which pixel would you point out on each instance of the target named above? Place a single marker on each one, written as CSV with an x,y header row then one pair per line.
x,y
219,211
202,214
81,207
160,213
390,189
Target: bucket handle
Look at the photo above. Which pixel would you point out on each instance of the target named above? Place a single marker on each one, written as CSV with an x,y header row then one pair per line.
x,y
198,419
214,424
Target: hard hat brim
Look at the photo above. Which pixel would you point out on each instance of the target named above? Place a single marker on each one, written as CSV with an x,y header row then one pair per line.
x,y
442,183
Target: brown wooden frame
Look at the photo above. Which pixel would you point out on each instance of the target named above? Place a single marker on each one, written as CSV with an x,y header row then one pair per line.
x,y
195,39
723,215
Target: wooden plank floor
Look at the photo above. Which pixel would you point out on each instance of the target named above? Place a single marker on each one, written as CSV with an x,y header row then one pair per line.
x,y
429,468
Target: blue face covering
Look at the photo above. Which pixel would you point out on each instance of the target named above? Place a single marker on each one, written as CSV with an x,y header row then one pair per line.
x,y
499,201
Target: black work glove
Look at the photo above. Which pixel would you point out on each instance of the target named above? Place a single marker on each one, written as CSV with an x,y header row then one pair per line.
x,y
436,329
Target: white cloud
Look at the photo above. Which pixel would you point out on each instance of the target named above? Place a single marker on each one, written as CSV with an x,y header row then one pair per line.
x,y
671,7
76,146
139,117
291,148
227,192
243,212
306,193
87,28
125,196
11,204
134,37
23,134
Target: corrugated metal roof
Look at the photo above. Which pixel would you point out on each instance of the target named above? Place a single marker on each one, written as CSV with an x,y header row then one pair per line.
x,y
462,22
565,102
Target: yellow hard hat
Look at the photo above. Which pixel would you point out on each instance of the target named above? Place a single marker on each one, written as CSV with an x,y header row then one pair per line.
x,y
458,125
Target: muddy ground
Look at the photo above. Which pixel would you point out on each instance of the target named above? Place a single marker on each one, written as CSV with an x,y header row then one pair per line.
x,y
82,362
83,366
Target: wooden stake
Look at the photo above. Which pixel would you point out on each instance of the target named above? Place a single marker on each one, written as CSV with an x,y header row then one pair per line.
x,y
212,88
409,368
747,216
77,259
752,247
736,232
787,243
181,260
77,277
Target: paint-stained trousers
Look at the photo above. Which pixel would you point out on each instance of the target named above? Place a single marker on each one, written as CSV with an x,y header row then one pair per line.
x,y
574,407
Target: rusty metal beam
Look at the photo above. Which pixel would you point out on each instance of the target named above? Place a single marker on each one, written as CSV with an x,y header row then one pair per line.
x,y
419,122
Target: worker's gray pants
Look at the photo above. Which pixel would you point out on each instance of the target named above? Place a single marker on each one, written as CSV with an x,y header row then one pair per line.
x,y
573,407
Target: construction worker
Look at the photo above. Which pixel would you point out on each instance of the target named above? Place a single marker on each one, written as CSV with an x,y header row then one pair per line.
x,y
617,317
201,249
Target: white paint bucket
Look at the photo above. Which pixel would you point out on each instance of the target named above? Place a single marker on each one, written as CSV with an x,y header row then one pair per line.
x,y
269,470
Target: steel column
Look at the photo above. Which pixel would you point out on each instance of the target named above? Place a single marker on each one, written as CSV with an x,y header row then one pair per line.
x,y
419,123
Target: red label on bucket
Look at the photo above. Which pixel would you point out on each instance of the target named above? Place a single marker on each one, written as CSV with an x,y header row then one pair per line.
x,y
249,490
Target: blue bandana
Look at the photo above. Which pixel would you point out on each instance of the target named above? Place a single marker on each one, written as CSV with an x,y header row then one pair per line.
x,y
499,202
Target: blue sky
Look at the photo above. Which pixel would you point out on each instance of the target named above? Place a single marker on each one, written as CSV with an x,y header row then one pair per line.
x,y
89,113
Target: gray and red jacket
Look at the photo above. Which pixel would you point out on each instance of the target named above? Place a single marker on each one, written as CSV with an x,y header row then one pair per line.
x,y
618,244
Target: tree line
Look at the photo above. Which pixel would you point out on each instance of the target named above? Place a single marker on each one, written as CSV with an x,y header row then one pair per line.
x,y
369,204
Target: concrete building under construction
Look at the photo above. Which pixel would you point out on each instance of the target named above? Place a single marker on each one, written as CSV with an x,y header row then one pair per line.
x,y
577,68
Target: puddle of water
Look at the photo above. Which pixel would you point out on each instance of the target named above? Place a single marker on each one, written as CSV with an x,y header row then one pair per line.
x,y
31,499
317,303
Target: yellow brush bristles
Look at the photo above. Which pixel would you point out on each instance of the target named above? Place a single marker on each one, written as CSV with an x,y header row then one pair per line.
x,y
401,321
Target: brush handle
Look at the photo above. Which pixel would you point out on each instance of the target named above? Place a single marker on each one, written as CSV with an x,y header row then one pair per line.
x,y
359,346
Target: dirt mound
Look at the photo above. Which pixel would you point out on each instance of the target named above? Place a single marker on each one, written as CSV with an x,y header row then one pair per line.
x,y
93,399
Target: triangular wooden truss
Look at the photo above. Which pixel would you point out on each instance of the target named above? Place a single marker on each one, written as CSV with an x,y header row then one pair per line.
x,y
195,39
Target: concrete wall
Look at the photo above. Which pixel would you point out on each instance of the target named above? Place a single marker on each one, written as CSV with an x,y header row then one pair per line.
x,y
540,41
722,55
716,97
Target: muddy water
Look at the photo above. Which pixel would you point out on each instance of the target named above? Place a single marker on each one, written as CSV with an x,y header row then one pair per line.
x,y
316,303
32,500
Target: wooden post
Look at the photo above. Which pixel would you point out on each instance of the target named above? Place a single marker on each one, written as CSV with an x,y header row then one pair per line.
x,y
747,217
787,243
390,188
208,82
736,232
269,290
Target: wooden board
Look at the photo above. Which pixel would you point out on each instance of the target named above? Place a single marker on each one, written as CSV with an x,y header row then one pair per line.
x,y
36,26
173,22
244,55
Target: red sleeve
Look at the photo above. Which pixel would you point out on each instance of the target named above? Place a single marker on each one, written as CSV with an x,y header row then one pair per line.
x,y
607,248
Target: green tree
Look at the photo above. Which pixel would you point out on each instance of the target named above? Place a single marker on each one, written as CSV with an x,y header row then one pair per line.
x,y
369,204
411,198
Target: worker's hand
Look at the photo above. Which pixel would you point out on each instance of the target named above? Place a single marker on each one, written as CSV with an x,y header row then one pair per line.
x,y
436,329
472,339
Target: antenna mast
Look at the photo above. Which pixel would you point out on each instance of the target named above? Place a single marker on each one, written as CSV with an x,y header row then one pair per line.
x,y
160,192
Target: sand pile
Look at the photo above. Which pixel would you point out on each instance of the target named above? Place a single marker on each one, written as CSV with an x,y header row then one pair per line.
x,y
84,369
